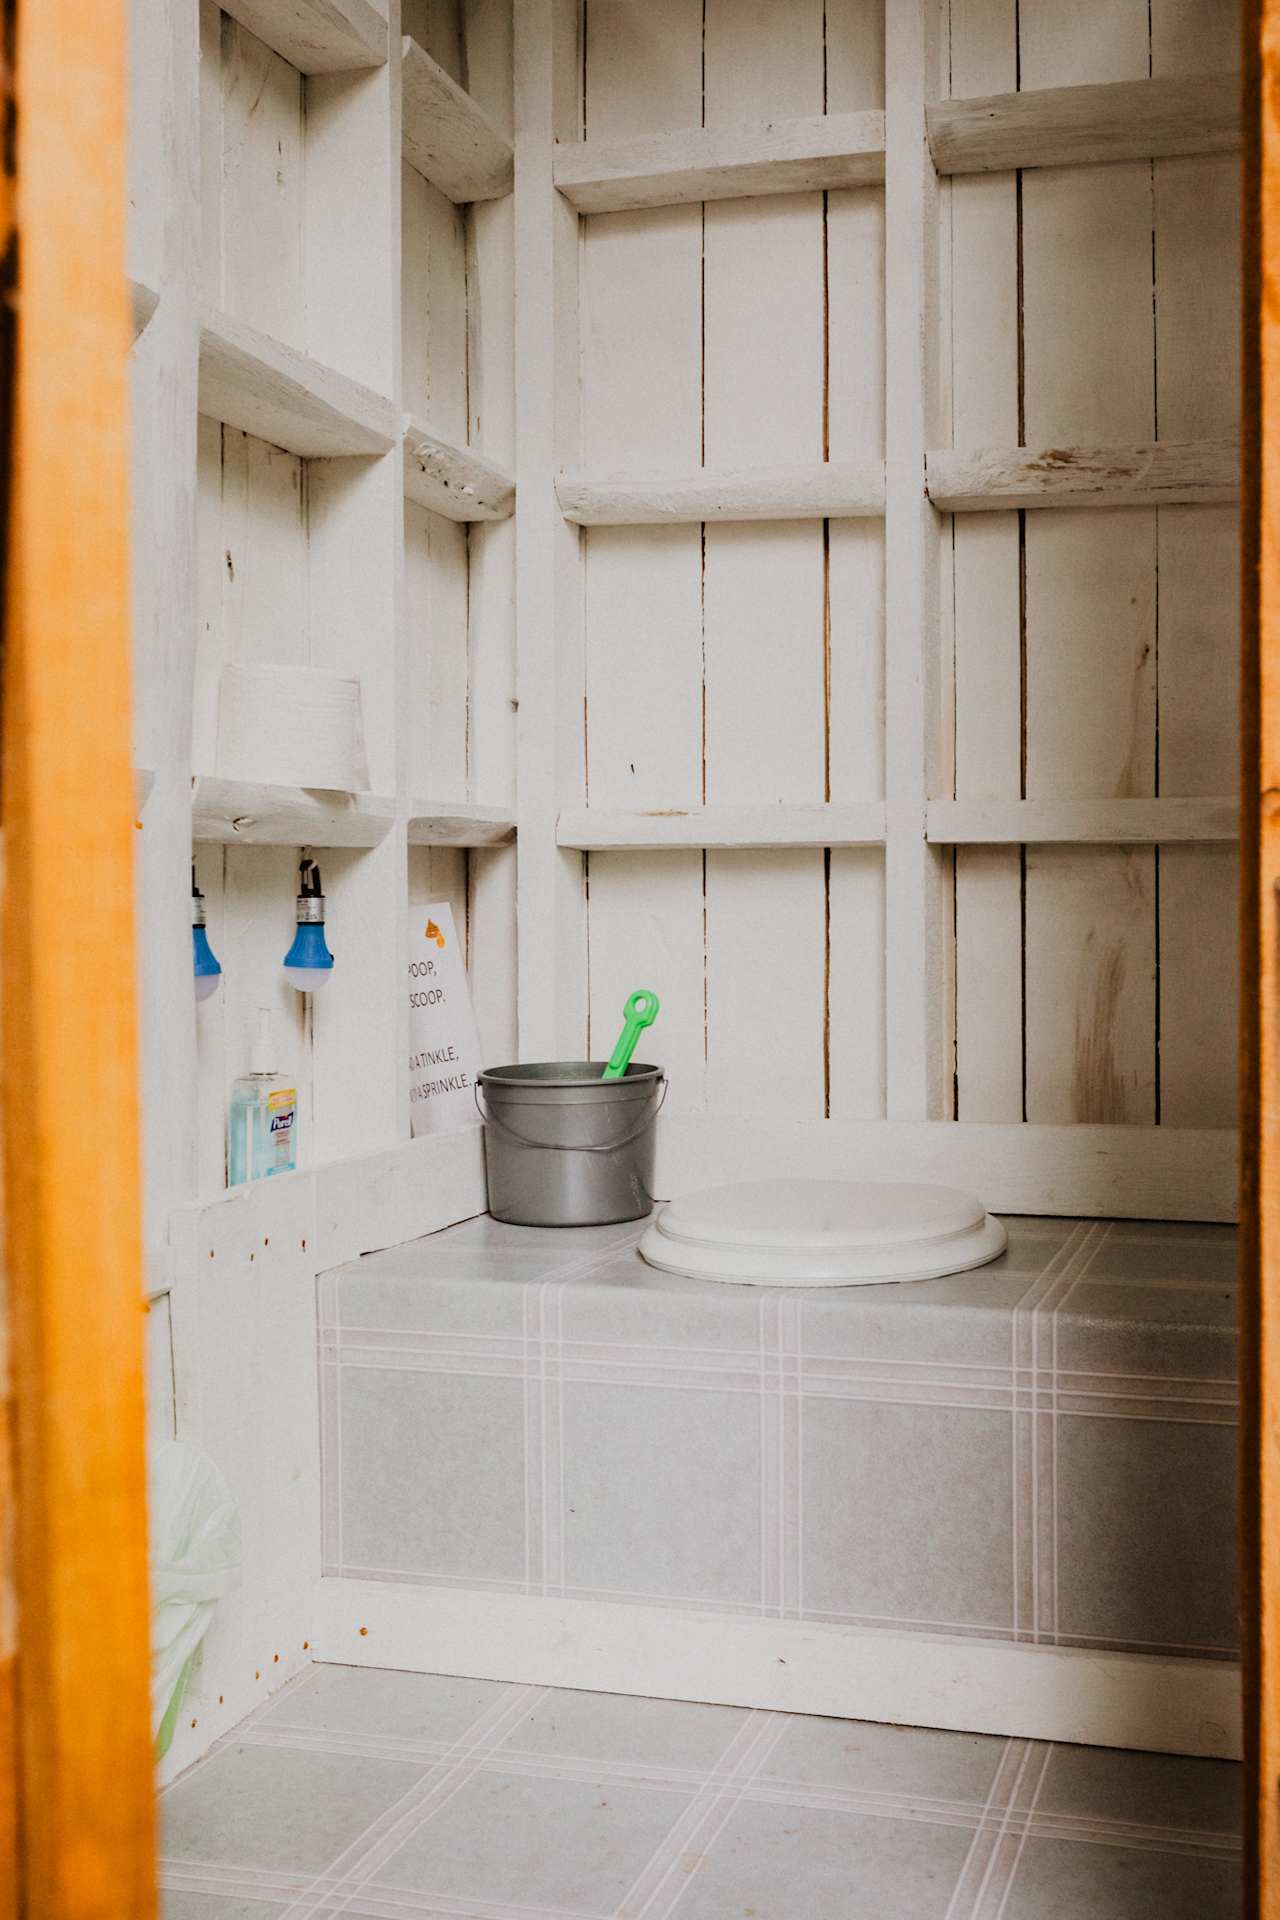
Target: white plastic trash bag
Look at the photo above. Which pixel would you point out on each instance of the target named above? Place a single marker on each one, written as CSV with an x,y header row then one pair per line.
x,y
195,1559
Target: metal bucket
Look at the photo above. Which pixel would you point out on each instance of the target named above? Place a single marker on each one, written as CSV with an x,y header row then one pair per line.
x,y
565,1148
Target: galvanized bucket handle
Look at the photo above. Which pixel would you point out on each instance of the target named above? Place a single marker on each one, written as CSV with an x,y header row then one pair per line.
x,y
554,1146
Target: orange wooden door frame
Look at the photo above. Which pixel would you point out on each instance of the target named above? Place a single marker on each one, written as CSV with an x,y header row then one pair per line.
x,y
67,1015
1260,960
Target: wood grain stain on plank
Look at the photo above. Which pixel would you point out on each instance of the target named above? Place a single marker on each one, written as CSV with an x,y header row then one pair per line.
x,y
1097,1085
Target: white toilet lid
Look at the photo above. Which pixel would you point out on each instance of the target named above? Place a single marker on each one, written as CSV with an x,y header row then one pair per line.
x,y
822,1233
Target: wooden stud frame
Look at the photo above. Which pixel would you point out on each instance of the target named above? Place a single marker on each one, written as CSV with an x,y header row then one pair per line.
x,y
71,1096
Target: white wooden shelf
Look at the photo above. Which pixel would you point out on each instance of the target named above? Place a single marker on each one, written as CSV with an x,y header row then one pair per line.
x,y
316,36
858,823
454,481
143,301
1164,473
1084,126
446,137
449,823
240,812
252,381
1082,822
836,490
729,163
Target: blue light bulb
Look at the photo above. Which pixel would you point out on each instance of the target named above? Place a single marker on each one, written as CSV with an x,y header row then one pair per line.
x,y
208,972
309,963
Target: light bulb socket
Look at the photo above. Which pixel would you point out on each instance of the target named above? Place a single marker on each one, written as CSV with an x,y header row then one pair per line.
x,y
310,894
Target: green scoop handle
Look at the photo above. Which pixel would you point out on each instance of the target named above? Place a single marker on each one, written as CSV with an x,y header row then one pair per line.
x,y
640,1012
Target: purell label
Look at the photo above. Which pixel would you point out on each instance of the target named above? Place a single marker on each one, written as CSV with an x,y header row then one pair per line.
x,y
444,1047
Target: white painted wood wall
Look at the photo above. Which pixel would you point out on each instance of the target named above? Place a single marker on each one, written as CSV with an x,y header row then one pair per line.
x,y
919,822
310,281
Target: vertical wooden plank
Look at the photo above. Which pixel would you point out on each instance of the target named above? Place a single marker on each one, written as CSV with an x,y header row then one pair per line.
x,y
210,206
1260,963
437,25
261,185
1182,31
764,984
1197,283
640,74
210,647
434,306
360,1105
492,947
552,978
855,56
917,889
985,582
356,566
764,584
1090,596
435,563
351,221
214,1022
354,588
491,551
642,412
72,1252
263,573
439,873
646,930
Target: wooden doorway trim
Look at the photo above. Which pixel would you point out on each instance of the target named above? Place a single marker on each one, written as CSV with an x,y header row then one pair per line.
x,y
1260,960
67,1016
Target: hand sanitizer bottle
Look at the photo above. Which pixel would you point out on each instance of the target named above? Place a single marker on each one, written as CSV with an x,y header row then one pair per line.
x,y
262,1129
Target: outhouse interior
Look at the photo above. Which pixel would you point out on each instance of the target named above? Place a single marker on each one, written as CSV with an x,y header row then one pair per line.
x,y
734,498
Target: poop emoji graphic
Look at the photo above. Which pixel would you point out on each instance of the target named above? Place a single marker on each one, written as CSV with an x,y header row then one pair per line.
x,y
433,933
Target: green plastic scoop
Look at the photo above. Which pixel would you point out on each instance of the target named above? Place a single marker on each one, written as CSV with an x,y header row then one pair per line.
x,y
640,1012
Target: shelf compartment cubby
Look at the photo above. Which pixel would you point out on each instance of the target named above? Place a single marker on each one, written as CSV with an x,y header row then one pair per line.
x,y
857,823
317,36
804,155
252,381
248,813
1162,474
1172,821
836,490
1086,125
452,480
297,176
446,137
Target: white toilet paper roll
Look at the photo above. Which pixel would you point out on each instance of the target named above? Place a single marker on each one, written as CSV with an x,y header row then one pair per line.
x,y
290,727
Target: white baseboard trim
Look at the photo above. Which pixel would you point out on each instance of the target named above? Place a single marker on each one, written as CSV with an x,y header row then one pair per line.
x,y
1146,1701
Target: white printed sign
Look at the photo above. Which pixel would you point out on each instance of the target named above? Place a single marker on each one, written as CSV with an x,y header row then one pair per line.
x,y
444,1047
